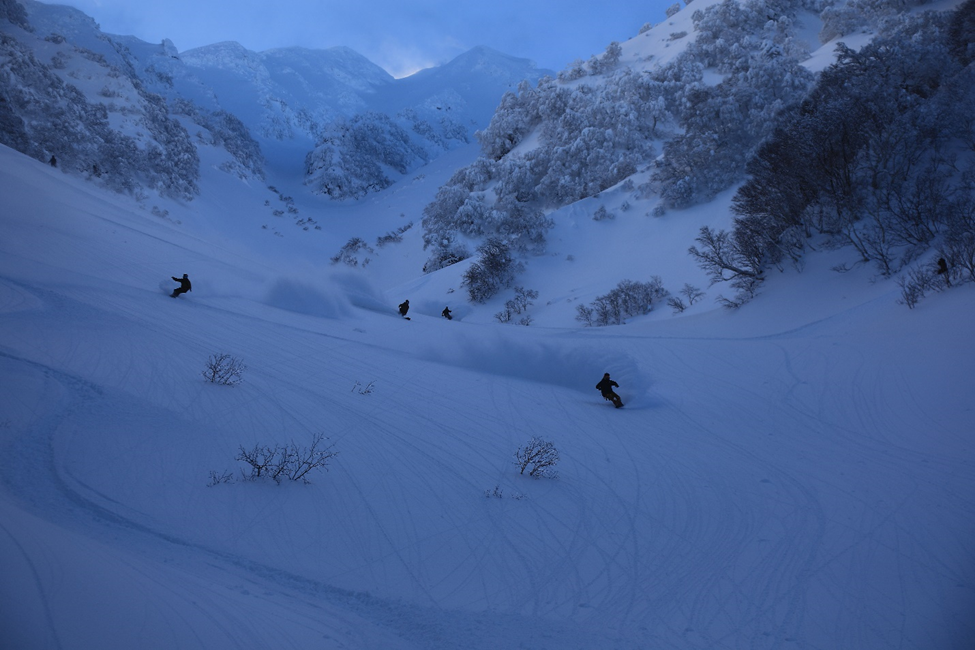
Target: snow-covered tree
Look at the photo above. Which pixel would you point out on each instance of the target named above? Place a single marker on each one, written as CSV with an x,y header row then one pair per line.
x,y
356,155
45,116
14,12
494,270
878,157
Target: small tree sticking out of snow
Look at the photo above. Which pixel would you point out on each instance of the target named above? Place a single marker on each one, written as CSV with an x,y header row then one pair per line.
x,y
538,457
224,369
692,293
363,389
524,298
285,461
218,479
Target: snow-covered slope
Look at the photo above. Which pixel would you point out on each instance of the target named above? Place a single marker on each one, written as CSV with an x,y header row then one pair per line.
x,y
799,472
795,473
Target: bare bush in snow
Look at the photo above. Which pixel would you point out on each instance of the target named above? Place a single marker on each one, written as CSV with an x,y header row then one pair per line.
x,y
538,457
224,369
285,462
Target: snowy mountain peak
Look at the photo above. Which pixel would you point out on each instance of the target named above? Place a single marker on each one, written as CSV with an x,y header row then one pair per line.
x,y
228,56
488,62
169,48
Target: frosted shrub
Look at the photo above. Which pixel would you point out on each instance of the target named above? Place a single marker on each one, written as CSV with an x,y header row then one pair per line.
x,y
628,299
495,269
224,369
575,70
538,457
394,236
446,256
348,253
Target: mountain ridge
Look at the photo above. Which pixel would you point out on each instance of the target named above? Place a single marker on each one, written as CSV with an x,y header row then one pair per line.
x,y
284,97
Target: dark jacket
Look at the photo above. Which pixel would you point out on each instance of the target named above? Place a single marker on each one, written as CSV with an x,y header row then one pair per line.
x,y
184,283
606,385
404,307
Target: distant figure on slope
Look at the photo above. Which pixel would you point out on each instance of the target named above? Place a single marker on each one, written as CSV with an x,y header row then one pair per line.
x,y
446,313
184,285
943,270
404,307
53,161
606,386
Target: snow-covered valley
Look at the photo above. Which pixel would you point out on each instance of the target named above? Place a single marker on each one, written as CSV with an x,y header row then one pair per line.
x,y
797,473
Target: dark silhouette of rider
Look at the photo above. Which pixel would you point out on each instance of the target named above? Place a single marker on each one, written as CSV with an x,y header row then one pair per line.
x,y
184,286
606,386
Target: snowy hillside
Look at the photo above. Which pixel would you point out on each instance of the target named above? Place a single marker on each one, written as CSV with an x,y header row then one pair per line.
x,y
798,472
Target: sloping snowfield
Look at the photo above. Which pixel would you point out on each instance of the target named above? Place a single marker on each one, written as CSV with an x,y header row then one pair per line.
x,y
796,474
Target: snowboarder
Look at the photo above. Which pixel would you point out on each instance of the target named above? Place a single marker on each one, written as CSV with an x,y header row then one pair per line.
x,y
446,313
943,270
53,161
184,286
403,308
605,386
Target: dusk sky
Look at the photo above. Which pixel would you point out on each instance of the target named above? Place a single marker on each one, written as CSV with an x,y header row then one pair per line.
x,y
402,37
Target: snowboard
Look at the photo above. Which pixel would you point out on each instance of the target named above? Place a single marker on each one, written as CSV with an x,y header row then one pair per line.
x,y
618,405
167,287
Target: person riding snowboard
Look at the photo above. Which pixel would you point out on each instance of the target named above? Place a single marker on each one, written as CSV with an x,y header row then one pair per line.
x,y
446,313
605,386
404,307
184,286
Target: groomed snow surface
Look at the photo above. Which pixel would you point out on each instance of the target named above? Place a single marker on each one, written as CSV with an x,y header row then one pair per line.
x,y
795,474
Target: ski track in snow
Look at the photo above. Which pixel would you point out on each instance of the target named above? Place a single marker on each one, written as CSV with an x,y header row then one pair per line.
x,y
676,535
776,482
